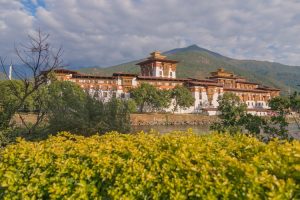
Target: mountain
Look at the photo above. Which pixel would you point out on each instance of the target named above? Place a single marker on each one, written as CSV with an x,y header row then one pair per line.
x,y
2,76
198,62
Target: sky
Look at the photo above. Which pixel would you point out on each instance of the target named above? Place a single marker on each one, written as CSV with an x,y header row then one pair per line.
x,y
109,32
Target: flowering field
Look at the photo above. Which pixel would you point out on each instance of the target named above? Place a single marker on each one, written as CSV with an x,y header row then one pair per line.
x,y
178,165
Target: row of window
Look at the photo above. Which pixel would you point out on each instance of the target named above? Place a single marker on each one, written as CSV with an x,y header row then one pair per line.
x,y
161,83
107,94
93,81
242,86
97,87
257,104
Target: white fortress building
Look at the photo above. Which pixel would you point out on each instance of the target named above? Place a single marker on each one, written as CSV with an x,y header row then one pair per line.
x,y
160,72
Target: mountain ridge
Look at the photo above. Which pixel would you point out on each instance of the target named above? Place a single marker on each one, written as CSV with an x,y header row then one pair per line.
x,y
198,62
2,76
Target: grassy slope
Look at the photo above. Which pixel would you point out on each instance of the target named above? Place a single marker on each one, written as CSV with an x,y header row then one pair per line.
x,y
198,62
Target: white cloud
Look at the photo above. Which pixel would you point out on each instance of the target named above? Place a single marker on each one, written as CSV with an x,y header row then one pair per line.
x,y
15,25
106,32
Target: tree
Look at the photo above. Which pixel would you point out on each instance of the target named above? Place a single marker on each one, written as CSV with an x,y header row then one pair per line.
x,y
161,100
66,107
147,95
117,114
231,112
182,98
143,95
253,124
295,107
8,102
132,106
72,109
277,126
37,60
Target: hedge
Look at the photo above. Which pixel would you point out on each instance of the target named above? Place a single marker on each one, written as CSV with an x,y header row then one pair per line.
x,y
178,165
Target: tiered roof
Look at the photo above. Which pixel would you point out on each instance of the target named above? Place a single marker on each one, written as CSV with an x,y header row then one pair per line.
x,y
156,56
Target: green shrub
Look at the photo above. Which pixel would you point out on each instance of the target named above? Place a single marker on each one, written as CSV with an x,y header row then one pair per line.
x,y
178,165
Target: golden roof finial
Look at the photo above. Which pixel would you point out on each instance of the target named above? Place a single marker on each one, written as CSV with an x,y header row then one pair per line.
x,y
156,55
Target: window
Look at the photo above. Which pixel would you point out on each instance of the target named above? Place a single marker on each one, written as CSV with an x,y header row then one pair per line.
x,y
126,82
123,95
171,74
160,73
104,94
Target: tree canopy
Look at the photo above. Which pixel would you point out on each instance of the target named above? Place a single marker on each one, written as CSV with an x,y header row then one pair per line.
x,y
231,111
147,97
71,109
182,98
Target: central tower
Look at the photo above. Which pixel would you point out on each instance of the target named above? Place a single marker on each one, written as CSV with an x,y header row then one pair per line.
x,y
158,65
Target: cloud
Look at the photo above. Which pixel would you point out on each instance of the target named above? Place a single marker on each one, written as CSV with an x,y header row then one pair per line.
x,y
15,25
103,33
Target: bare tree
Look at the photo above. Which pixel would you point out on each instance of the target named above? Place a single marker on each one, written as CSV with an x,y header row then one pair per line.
x,y
37,62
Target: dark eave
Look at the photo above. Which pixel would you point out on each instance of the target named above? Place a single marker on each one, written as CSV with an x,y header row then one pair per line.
x,y
268,88
225,77
92,77
245,90
65,71
160,60
124,74
161,78
203,80
198,83
247,82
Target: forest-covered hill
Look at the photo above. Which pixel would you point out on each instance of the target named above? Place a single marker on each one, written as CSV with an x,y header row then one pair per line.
x,y
197,62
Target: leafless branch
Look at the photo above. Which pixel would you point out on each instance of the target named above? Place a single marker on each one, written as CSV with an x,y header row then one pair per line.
x,y
39,60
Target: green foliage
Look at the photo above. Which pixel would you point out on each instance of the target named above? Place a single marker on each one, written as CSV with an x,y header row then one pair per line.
x,y
162,100
10,103
71,109
277,126
66,107
147,96
295,107
235,119
117,115
132,106
253,123
232,112
182,97
8,136
177,165
295,102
